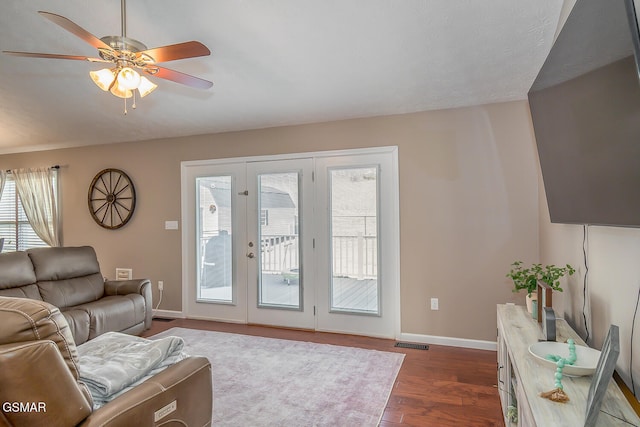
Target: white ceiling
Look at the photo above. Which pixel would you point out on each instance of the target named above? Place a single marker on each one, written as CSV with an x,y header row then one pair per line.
x,y
273,62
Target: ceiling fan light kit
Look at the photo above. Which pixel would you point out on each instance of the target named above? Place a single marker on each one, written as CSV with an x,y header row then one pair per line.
x,y
126,55
102,78
145,87
120,92
128,78
121,82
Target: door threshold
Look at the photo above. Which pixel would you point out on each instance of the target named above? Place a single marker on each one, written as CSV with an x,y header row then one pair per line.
x,y
289,328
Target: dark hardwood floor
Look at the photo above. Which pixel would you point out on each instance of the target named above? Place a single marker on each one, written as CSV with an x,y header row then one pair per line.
x,y
443,386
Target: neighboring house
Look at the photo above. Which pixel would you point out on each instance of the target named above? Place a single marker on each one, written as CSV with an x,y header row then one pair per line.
x,y
215,199
278,225
277,213
277,210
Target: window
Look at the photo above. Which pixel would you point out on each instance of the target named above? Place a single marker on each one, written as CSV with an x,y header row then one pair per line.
x,y
14,226
354,239
264,217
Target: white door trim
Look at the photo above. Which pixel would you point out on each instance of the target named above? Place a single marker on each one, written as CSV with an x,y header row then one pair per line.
x,y
188,223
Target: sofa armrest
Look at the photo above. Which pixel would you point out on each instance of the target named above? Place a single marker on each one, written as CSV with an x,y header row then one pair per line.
x,y
135,286
181,393
38,388
123,287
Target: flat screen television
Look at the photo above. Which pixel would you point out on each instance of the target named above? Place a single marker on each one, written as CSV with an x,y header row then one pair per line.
x,y
585,107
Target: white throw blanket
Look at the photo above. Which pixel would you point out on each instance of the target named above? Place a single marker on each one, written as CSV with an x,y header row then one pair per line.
x,y
113,363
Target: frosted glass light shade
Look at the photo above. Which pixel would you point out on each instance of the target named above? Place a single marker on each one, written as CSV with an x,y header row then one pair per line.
x,y
120,92
146,86
102,78
128,78
122,82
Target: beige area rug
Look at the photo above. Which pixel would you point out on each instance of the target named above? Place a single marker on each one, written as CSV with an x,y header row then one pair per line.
x,y
272,382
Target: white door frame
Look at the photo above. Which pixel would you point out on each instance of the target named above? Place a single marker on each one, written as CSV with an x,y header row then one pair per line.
x,y
189,169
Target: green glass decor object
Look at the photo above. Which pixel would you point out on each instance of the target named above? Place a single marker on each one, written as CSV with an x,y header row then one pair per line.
x,y
558,394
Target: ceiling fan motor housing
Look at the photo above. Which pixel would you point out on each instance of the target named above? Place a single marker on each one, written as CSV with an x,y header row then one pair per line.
x,y
124,43
124,52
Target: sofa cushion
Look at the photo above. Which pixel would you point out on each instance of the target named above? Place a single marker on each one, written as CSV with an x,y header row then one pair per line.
x,y
67,276
26,291
63,262
114,313
71,292
78,321
17,270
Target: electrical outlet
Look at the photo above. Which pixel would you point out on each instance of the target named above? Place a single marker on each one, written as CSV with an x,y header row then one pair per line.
x,y
160,285
434,304
124,273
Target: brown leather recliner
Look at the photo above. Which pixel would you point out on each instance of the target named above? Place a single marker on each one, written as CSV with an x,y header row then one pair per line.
x,y
39,379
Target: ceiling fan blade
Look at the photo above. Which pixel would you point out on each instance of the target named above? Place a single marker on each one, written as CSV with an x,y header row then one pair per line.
x,y
75,29
172,52
178,77
53,56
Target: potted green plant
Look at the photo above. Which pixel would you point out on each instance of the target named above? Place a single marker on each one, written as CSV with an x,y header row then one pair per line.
x,y
527,278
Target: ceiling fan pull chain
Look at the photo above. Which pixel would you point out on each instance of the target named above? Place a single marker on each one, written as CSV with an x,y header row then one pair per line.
x,y
125,106
134,99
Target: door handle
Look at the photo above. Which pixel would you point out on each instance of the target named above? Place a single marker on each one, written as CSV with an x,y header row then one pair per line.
x,y
250,255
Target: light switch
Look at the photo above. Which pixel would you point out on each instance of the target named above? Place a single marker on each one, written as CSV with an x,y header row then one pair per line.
x,y
171,225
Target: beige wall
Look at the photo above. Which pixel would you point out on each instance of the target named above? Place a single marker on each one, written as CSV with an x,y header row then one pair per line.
x,y
468,203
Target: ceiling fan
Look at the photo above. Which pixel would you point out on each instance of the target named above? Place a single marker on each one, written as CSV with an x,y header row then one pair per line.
x,y
126,55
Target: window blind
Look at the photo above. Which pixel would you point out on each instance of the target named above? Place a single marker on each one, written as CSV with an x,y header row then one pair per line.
x,y
14,226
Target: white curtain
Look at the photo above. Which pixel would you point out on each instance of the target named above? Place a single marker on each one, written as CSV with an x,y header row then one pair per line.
x,y
3,179
36,188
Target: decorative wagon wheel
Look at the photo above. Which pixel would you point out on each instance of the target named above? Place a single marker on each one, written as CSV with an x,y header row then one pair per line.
x,y
112,198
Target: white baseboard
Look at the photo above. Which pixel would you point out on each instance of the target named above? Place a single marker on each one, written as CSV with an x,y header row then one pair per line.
x,y
216,319
171,314
453,342
407,337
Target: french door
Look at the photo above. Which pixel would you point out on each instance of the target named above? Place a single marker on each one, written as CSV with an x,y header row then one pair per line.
x,y
280,247
294,241
360,254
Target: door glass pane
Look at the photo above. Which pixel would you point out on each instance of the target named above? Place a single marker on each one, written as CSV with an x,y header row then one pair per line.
x,y
278,224
214,239
354,240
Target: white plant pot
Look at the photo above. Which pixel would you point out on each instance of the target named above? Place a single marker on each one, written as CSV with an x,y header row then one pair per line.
x,y
529,299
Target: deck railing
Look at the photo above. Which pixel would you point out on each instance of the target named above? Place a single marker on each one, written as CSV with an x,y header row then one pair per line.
x,y
353,256
280,253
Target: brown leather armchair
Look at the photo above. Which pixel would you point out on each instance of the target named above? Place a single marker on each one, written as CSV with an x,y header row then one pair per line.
x,y
40,383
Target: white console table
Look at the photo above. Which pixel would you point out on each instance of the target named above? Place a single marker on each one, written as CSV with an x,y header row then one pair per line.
x,y
522,377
